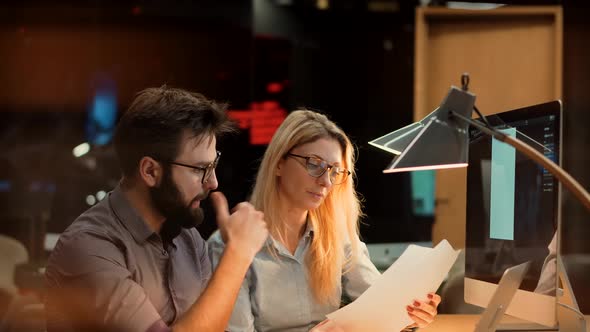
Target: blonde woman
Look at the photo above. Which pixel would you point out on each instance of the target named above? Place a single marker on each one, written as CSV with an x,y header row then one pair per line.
x,y
313,259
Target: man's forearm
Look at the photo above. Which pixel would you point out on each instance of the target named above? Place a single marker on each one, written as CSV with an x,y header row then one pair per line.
x,y
211,312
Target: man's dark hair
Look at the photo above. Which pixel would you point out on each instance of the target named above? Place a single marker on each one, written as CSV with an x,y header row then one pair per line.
x,y
157,120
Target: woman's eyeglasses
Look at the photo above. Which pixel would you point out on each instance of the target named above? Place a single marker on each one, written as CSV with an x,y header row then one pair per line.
x,y
316,167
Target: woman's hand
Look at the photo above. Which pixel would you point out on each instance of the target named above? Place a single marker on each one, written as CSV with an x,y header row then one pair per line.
x,y
423,312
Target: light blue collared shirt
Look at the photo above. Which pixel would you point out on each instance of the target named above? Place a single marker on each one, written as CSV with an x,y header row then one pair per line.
x,y
276,295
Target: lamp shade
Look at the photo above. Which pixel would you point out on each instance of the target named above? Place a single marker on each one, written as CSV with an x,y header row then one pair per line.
x,y
435,142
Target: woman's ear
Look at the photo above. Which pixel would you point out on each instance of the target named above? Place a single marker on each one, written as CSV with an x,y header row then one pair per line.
x,y
279,167
150,171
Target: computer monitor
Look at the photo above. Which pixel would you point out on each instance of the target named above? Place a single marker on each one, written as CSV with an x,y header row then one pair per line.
x,y
513,210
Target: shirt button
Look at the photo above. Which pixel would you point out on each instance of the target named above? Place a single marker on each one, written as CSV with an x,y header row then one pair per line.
x,y
164,252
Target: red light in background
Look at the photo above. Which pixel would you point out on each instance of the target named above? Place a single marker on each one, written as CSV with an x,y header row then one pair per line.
x,y
136,10
262,119
274,87
243,118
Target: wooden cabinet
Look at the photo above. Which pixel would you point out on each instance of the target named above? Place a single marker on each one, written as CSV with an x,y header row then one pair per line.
x,y
514,58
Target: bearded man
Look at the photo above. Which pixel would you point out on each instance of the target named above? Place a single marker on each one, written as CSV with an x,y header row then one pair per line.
x,y
135,261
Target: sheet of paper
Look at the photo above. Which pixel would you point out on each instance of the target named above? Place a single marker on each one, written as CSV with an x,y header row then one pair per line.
x,y
382,307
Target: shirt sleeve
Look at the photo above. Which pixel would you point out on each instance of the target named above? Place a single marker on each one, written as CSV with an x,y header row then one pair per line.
x,y
242,318
90,286
359,274
204,259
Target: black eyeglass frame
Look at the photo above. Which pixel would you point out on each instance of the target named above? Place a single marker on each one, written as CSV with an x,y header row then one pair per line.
x,y
207,170
328,167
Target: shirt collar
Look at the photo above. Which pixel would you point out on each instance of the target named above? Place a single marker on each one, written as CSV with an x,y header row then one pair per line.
x,y
308,229
128,216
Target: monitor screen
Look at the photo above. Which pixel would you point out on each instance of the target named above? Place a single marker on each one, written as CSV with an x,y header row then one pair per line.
x,y
512,211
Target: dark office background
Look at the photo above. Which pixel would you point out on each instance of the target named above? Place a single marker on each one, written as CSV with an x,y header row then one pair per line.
x,y
353,64
352,60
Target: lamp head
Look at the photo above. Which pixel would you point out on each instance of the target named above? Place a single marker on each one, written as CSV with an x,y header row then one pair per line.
x,y
438,141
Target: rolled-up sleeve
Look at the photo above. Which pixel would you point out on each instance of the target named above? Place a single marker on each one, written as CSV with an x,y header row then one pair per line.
x,y
205,260
90,285
359,274
242,319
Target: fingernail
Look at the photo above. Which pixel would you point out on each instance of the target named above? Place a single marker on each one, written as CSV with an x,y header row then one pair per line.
x,y
416,304
430,296
410,309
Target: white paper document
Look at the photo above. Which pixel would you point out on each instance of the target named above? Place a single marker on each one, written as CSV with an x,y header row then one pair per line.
x,y
382,307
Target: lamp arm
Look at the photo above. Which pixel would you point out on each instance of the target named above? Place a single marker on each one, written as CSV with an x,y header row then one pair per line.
x,y
553,168
567,180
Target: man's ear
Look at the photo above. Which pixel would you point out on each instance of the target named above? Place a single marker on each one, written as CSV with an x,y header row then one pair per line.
x,y
150,171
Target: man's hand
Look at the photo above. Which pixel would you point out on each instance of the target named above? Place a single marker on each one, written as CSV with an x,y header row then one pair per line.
x,y
244,230
326,326
423,312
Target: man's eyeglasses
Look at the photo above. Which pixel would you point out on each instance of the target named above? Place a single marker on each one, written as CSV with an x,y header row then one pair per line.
x,y
316,167
207,170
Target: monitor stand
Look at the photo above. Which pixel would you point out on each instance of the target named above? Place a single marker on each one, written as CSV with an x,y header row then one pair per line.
x,y
502,297
569,316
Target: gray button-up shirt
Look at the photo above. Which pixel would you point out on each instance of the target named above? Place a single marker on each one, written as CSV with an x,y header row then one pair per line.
x,y
276,295
109,268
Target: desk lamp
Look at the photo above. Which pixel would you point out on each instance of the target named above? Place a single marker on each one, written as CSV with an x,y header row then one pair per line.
x,y
441,140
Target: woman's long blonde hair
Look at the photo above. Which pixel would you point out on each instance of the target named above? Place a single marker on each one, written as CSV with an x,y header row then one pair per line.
x,y
334,222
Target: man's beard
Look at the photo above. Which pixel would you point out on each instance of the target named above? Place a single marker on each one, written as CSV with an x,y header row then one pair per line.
x,y
167,199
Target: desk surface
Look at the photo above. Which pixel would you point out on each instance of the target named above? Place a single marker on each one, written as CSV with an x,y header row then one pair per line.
x,y
461,323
